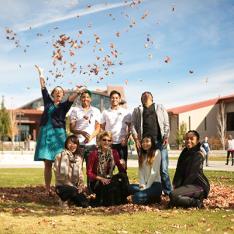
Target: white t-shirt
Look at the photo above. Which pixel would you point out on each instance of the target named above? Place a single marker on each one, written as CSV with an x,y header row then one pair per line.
x,y
230,145
85,121
116,122
150,174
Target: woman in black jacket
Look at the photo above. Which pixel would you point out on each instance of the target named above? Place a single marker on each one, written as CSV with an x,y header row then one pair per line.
x,y
190,184
52,135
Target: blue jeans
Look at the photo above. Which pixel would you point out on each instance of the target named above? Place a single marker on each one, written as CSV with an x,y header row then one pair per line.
x,y
166,182
149,195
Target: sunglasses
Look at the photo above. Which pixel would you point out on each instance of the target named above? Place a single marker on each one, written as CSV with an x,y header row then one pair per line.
x,y
106,140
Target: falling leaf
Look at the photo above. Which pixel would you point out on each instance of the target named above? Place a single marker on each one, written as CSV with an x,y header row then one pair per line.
x,y
167,59
150,56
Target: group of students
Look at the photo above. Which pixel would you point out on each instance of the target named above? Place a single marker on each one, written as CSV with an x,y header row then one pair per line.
x,y
101,141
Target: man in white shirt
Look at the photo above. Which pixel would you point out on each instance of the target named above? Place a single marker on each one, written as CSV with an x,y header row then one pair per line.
x,y
85,123
117,120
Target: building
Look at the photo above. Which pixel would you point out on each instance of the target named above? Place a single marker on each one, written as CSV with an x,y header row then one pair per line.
x,y
28,116
204,117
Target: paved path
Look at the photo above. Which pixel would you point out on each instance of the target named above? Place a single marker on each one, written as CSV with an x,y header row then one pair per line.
x,y
214,165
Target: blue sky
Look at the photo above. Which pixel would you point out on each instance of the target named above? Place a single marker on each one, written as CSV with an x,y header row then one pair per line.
x,y
196,35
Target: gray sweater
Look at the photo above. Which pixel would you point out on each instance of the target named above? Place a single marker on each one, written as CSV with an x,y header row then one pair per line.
x,y
137,121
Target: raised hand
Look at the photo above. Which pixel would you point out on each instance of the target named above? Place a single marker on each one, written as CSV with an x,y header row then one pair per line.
x,y
80,88
40,71
41,76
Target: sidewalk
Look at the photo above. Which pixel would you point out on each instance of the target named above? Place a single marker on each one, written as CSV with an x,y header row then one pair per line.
x,y
214,165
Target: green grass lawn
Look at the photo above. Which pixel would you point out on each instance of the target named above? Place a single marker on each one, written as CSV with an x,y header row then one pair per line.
x,y
20,177
22,213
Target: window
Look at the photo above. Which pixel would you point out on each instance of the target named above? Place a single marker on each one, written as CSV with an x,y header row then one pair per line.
x,y
230,121
189,120
205,126
96,102
106,102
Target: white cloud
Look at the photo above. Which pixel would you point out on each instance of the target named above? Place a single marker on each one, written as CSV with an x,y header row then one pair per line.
x,y
184,92
57,14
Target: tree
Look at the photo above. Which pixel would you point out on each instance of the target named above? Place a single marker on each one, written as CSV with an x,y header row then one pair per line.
x,y
4,121
181,133
221,127
13,125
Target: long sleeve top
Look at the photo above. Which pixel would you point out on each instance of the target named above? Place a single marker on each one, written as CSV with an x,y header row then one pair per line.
x,y
163,121
68,169
59,115
189,169
150,174
93,164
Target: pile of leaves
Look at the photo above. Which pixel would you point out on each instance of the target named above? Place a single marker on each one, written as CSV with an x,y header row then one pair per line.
x,y
220,197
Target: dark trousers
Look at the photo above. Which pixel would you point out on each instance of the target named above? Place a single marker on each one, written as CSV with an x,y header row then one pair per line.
x,y
114,193
70,193
206,158
122,150
187,196
228,155
85,151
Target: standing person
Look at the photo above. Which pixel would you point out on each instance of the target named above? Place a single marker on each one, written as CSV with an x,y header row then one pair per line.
x,y
85,123
101,163
152,119
230,149
149,189
69,177
52,133
117,120
190,184
205,145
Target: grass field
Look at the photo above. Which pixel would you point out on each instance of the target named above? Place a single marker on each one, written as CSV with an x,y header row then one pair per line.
x,y
24,208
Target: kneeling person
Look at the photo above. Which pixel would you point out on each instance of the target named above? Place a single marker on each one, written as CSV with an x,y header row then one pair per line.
x,y
68,173
190,184
109,189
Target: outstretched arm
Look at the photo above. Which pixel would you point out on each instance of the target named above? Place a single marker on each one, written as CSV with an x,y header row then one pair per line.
x,y
41,76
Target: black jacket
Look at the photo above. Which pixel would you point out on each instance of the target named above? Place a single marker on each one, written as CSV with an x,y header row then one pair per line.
x,y
190,169
59,115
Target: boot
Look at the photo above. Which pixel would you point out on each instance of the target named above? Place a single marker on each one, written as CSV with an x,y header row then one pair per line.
x,y
188,202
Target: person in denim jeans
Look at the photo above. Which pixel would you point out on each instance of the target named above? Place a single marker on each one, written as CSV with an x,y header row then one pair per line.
x,y
152,119
149,189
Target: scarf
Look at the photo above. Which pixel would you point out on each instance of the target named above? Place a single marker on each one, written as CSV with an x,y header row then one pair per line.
x,y
106,163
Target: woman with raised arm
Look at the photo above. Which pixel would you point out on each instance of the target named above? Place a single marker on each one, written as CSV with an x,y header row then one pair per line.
x,y
52,135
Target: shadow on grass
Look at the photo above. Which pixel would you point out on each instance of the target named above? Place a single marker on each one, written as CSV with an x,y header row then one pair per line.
x,y
32,201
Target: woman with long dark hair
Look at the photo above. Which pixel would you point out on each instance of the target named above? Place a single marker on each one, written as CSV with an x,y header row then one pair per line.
x,y
149,189
68,173
190,184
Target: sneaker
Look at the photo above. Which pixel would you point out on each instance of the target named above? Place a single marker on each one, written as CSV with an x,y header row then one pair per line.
x,y
63,204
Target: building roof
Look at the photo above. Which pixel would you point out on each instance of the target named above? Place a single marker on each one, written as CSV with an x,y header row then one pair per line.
x,y
198,105
105,93
27,111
